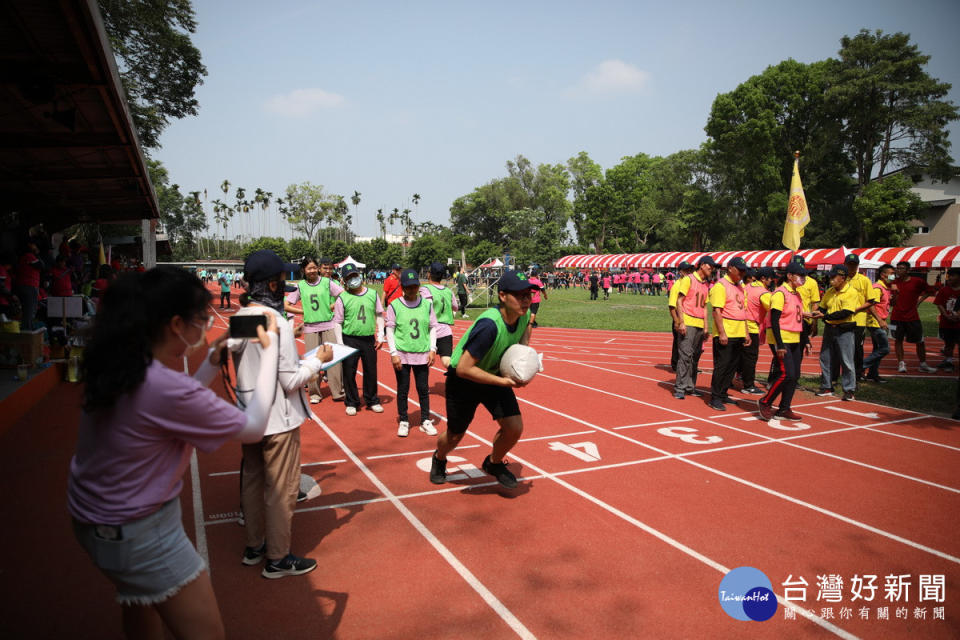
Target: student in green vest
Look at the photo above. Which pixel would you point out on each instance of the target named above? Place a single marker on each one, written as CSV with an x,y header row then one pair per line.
x,y
473,378
444,306
317,293
412,336
358,315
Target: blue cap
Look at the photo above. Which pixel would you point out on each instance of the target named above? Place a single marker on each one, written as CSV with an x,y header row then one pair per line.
x,y
265,264
515,281
706,260
738,263
409,277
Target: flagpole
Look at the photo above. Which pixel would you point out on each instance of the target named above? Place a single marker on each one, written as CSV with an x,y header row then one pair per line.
x,y
796,158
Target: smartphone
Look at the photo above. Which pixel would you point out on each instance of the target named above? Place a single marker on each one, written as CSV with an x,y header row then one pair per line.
x,y
246,326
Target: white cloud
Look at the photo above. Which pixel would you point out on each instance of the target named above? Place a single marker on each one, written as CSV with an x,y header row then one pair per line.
x,y
303,102
612,77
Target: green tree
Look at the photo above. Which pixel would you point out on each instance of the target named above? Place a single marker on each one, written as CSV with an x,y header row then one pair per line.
x,y
427,249
308,208
885,209
159,66
478,253
277,245
182,216
297,248
585,176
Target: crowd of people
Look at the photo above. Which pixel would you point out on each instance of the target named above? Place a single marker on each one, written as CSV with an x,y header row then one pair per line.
x,y
144,414
750,306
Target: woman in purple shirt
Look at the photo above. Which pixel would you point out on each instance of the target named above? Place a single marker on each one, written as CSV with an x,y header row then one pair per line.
x,y
143,418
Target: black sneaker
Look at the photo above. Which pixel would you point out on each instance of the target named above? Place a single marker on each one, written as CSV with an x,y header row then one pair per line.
x,y
301,496
728,400
500,472
753,391
289,566
253,555
877,379
717,405
438,470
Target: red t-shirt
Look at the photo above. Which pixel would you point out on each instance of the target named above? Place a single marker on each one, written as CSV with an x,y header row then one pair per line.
x,y
947,298
905,305
391,289
60,284
27,274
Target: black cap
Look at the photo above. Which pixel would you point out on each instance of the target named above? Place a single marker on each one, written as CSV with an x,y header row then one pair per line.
x,y
438,268
265,264
409,277
515,281
348,270
766,272
798,259
796,268
738,263
706,260
839,270
684,265
852,259
395,266
324,261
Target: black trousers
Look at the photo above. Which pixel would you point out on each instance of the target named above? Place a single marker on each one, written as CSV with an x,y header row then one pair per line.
x,y
748,361
421,377
726,357
787,371
462,299
224,295
368,356
674,353
593,293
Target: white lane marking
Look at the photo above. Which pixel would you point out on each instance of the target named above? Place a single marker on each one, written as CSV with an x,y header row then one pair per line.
x,y
869,414
498,607
900,435
561,435
651,424
413,453
198,523
609,341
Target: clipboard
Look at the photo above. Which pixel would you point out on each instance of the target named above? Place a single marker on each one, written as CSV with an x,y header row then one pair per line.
x,y
340,352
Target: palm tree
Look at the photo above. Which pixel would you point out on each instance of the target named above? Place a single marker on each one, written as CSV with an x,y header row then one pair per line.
x,y
355,199
383,223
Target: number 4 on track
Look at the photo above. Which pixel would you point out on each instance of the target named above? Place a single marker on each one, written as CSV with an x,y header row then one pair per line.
x,y
586,451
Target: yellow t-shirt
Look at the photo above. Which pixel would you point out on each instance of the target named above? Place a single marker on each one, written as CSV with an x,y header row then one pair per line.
x,y
864,288
674,291
809,292
876,296
718,299
776,301
847,298
683,288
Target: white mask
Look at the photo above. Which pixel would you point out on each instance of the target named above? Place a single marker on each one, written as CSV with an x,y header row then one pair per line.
x,y
354,282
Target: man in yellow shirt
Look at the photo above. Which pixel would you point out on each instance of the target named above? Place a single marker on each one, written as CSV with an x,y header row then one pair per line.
x,y
729,331
864,288
692,294
839,306
685,269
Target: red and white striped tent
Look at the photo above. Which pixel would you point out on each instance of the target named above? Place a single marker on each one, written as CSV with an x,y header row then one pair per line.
x,y
923,257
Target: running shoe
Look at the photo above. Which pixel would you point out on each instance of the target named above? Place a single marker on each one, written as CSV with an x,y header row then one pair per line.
x,y
766,410
438,470
289,566
499,471
315,399
717,405
945,366
696,393
376,408
728,400
403,429
788,414
301,496
902,367
877,379
679,395
253,555
427,427
925,368
753,391
824,392
848,395
351,411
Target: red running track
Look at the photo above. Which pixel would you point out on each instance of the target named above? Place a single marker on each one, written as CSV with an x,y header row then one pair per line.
x,y
631,509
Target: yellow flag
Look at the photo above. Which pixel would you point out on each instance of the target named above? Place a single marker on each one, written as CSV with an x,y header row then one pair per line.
x,y
797,213
102,257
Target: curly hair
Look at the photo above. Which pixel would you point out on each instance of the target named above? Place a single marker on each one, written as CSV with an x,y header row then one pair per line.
x,y
132,316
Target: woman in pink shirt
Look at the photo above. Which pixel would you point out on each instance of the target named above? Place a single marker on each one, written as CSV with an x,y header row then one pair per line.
x,y
535,297
607,285
143,417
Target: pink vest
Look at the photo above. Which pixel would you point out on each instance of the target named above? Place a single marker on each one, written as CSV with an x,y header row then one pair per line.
x,y
882,307
733,308
694,304
755,311
792,317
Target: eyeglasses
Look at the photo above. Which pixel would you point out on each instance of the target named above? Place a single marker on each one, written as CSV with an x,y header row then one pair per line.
x,y
205,324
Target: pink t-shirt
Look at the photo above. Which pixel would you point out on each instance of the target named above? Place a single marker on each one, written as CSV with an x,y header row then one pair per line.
x,y
130,459
316,327
606,282
535,297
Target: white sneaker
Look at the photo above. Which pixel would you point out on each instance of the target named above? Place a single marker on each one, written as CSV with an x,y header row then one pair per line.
x,y
377,408
315,399
925,368
902,367
403,429
428,428
351,411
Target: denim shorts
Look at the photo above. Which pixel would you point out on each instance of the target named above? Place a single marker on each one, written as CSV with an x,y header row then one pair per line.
x,y
149,560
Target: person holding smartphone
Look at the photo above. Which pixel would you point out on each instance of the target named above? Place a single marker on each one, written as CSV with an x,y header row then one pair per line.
x,y
270,476
142,418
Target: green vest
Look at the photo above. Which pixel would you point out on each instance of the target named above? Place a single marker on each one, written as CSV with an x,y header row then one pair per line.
x,y
359,313
412,333
442,303
316,301
490,362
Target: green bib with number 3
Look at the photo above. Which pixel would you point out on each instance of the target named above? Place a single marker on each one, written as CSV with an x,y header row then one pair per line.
x,y
359,313
315,299
412,333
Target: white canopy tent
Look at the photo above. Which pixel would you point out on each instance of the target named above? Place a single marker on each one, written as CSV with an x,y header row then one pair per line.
x,y
350,260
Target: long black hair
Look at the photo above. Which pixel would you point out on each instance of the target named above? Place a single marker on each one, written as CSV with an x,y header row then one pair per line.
x,y
133,313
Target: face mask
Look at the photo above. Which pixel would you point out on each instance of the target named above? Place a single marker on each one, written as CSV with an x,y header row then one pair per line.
x,y
354,282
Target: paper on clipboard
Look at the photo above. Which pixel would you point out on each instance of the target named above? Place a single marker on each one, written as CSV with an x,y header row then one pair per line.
x,y
340,351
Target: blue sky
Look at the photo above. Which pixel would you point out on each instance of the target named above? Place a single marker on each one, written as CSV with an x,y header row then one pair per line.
x,y
391,98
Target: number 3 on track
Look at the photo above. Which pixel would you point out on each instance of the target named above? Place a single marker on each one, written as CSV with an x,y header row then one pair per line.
x,y
688,435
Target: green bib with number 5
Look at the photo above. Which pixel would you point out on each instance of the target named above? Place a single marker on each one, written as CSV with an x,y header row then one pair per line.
x,y
315,299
